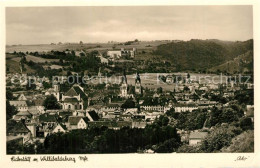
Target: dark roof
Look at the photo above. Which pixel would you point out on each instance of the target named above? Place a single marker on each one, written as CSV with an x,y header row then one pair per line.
x,y
65,113
24,113
71,92
13,138
74,120
63,126
20,128
79,91
75,91
93,115
47,118
86,119
73,99
186,105
114,105
110,123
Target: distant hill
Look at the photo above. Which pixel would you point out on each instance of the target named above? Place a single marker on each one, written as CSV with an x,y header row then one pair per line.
x,y
242,63
202,54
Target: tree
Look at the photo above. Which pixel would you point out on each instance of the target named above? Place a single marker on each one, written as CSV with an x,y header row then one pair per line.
x,y
159,90
128,104
69,73
188,76
219,137
46,85
186,88
246,123
241,143
51,102
9,95
228,115
170,112
162,120
168,146
10,110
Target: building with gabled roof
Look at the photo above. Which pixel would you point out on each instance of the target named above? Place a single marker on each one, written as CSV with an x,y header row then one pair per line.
x,y
185,107
22,97
23,115
77,122
47,123
74,99
19,105
59,128
92,116
47,118
20,130
196,137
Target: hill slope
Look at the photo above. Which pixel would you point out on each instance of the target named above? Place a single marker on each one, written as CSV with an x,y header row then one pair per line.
x,y
202,54
243,63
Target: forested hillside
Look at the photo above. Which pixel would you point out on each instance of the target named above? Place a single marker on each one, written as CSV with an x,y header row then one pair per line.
x,y
202,54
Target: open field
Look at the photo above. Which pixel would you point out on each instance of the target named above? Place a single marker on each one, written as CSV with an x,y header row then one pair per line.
x,y
150,81
14,67
88,46
35,59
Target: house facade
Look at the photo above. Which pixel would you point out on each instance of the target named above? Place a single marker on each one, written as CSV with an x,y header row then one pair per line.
x,y
74,99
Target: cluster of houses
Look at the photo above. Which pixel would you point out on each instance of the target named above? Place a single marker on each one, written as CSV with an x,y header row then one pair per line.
x,y
116,54
77,111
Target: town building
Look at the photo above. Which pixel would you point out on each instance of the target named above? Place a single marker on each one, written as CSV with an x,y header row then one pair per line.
x,y
19,105
77,122
124,86
138,87
196,137
74,99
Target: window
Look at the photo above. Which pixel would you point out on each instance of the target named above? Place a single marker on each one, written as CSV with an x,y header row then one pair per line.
x,y
69,106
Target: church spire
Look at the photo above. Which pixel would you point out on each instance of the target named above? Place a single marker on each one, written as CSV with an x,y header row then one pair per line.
x,y
124,79
137,78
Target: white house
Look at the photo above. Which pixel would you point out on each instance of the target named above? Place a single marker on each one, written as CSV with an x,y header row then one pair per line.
x,y
185,107
59,128
114,54
19,105
74,99
195,138
77,122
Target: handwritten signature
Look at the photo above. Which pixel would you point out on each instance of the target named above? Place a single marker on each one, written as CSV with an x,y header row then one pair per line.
x,y
241,158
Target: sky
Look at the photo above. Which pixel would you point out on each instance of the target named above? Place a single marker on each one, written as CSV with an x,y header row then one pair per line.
x,y
44,25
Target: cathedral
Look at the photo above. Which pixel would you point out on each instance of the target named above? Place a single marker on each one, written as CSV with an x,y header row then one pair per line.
x,y
124,89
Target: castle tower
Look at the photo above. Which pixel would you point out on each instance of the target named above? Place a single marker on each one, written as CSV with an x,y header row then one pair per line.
x,y
138,87
124,86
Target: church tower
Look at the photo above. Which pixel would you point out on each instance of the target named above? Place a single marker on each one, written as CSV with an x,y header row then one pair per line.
x,y
138,87
56,89
123,87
